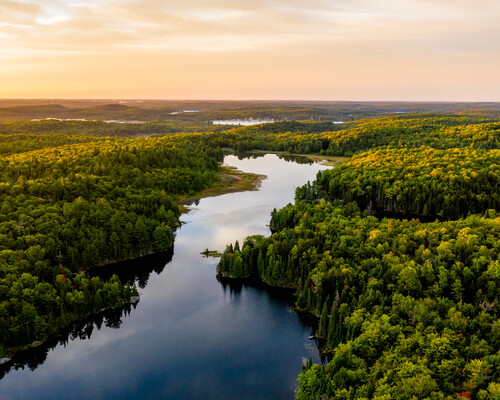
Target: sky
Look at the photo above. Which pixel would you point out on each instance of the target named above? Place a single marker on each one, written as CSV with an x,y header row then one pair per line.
x,y
390,50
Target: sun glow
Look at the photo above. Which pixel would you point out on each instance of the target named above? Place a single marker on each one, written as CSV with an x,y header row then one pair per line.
x,y
356,50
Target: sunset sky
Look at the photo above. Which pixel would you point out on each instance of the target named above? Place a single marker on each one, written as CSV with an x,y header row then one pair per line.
x,y
251,49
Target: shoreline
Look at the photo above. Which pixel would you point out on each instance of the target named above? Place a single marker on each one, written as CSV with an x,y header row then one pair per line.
x,y
332,161
231,180
290,291
10,358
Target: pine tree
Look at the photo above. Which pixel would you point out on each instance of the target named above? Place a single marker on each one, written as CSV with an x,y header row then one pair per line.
x,y
323,321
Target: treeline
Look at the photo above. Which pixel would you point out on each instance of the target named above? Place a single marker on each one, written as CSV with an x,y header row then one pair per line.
x,y
277,136
414,131
425,181
194,113
322,137
32,309
405,308
77,205
83,328
101,128
23,142
87,294
408,131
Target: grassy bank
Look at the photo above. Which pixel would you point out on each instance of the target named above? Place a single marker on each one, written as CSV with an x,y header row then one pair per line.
x,y
231,180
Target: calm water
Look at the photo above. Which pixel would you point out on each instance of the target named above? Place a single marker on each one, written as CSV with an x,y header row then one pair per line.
x,y
243,122
248,122
189,336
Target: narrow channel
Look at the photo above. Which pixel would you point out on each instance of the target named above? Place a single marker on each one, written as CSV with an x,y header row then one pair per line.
x,y
189,336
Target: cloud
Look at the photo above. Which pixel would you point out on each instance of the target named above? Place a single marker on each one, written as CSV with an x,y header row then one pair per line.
x,y
279,42
228,25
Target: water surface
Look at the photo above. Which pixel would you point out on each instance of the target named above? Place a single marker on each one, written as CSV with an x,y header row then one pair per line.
x,y
243,122
251,121
189,336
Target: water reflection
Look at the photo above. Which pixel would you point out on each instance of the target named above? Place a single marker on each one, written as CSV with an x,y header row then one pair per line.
x,y
235,286
297,159
243,122
191,336
81,329
135,271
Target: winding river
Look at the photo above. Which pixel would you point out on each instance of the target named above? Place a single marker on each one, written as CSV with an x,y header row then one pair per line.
x,y
190,336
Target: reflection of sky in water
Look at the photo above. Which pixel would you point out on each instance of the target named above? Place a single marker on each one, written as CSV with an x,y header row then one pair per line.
x,y
243,122
191,337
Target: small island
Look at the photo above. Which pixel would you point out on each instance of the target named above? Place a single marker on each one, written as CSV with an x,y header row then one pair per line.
x,y
211,253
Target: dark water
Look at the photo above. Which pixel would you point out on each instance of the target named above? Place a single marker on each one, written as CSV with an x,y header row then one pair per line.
x,y
190,336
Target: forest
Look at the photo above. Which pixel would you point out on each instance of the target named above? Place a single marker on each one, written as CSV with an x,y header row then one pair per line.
x,y
408,307
395,252
183,115
71,203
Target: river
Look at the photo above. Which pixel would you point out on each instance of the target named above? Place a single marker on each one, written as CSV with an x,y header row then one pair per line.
x,y
189,336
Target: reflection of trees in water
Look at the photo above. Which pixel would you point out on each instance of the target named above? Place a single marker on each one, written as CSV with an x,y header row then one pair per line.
x,y
196,202
297,159
233,286
137,270
130,271
288,158
242,155
81,329
276,294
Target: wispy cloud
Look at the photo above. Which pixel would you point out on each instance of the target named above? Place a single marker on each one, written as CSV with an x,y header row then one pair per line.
x,y
403,32
211,25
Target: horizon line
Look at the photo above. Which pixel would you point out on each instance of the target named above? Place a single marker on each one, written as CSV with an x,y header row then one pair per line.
x,y
247,100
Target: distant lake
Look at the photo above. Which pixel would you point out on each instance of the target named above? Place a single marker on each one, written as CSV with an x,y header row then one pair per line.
x,y
109,121
190,336
243,122
183,111
248,122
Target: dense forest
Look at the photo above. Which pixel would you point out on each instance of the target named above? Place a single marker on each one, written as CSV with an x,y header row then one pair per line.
x,y
409,131
407,309
83,328
440,132
430,182
70,203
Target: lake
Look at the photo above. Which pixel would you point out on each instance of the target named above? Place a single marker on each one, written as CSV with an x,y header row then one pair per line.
x,y
190,336
248,122
243,122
